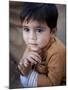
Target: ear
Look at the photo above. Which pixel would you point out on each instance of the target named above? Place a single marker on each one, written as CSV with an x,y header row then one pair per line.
x,y
53,30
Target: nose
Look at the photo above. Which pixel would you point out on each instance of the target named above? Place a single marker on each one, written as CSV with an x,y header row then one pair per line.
x,y
33,35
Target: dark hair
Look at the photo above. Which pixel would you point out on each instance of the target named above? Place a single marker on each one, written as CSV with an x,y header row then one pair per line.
x,y
40,12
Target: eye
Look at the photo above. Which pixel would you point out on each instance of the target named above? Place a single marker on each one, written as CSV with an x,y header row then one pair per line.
x,y
40,30
26,29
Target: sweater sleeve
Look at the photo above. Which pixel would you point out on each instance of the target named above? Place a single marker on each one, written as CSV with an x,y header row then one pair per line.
x,y
56,70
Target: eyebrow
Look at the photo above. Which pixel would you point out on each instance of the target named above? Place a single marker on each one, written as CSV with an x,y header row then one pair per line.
x,y
34,27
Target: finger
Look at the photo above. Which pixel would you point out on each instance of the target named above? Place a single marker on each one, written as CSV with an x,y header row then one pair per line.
x,y
36,54
30,59
35,58
26,63
21,62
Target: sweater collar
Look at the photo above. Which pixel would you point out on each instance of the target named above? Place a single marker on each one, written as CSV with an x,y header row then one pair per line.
x,y
45,49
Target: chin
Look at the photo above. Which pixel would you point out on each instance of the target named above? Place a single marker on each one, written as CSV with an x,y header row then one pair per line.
x,y
34,48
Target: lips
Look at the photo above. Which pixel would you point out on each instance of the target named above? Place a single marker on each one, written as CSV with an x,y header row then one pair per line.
x,y
32,43
34,46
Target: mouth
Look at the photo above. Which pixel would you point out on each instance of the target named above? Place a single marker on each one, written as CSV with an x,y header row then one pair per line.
x,y
34,46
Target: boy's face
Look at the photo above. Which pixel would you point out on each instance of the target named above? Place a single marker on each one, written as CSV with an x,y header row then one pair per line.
x,y
35,34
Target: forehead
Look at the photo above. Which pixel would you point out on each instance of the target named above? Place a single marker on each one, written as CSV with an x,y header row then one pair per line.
x,y
34,23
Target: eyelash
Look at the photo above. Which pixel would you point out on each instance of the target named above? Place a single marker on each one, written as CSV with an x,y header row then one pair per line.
x,y
26,29
38,30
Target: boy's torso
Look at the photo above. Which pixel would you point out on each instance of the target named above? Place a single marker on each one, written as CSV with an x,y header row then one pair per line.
x,y
55,47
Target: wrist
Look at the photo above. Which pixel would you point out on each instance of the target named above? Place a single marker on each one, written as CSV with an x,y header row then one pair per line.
x,y
24,70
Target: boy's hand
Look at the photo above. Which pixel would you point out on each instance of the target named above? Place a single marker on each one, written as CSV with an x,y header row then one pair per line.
x,y
31,58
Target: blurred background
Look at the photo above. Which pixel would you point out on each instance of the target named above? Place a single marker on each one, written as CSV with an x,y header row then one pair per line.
x,y
16,42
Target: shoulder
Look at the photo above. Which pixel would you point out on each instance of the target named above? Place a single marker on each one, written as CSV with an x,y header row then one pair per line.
x,y
56,48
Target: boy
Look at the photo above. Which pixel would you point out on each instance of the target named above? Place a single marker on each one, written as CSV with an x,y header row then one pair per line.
x,y
43,62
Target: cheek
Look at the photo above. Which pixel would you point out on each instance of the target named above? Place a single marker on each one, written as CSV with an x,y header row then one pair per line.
x,y
43,40
25,37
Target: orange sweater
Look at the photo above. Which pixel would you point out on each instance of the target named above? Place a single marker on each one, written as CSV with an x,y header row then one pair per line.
x,y
55,62
52,70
